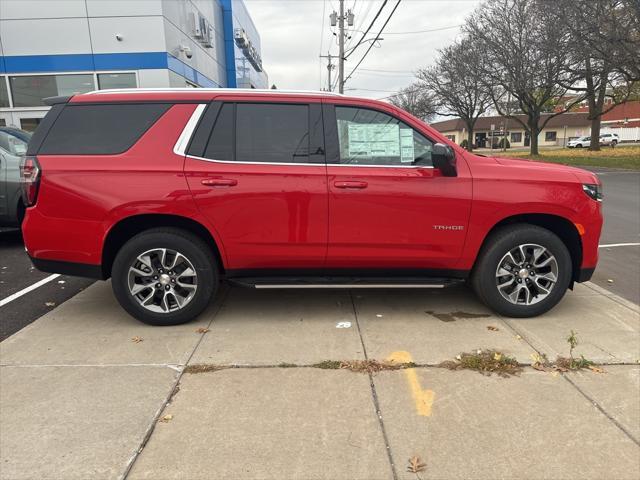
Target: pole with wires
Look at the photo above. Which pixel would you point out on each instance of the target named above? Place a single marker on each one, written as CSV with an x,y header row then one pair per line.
x,y
330,67
338,18
341,49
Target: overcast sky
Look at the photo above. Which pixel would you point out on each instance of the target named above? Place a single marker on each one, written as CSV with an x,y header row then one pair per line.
x,y
293,36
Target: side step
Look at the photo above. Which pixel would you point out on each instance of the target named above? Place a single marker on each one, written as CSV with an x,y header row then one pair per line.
x,y
344,282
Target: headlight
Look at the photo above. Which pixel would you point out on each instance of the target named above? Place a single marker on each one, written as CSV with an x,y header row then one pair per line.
x,y
593,190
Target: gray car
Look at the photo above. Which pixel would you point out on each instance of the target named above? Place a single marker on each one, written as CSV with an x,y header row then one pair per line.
x,y
13,146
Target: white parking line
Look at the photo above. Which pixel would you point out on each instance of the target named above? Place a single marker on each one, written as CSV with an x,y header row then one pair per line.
x,y
30,288
619,245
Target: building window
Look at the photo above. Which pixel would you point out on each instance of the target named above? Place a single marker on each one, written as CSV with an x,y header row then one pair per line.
x,y
116,80
516,137
451,137
30,124
4,96
550,136
28,91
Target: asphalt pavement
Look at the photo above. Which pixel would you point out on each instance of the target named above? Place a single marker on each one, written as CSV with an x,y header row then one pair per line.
x,y
619,266
16,274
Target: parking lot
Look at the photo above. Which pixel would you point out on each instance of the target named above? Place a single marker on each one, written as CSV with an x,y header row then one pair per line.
x,y
283,384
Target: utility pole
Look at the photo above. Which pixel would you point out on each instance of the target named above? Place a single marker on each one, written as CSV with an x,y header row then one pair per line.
x,y
330,66
339,20
341,49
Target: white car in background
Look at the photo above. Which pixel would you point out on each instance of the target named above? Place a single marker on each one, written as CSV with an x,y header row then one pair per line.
x,y
609,139
579,142
606,139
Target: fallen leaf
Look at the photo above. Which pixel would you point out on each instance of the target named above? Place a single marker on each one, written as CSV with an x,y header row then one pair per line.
x,y
497,356
415,465
595,369
137,339
167,418
610,280
518,337
202,330
50,304
492,328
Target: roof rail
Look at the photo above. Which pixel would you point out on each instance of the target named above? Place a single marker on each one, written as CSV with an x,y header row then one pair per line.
x,y
214,90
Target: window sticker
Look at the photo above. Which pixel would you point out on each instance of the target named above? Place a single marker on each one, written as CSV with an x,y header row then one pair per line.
x,y
406,144
373,140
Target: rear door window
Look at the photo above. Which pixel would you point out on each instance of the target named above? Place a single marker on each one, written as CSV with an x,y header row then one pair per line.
x,y
106,129
273,133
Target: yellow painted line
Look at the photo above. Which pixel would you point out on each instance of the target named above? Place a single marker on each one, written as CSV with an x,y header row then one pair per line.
x,y
422,398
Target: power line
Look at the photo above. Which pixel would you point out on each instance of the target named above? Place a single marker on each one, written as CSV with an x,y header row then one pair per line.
x,y
367,30
424,31
385,71
374,41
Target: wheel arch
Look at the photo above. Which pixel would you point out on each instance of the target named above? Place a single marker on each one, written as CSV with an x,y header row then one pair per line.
x,y
561,226
127,227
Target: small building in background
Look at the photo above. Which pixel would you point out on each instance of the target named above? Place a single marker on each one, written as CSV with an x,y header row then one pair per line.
x,y
51,48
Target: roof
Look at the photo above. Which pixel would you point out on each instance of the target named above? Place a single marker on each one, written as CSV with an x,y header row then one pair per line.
x,y
627,110
484,123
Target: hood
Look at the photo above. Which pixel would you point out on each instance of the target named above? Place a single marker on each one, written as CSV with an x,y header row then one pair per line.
x,y
553,169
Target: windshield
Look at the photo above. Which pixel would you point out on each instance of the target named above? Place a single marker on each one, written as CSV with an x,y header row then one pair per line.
x,y
12,144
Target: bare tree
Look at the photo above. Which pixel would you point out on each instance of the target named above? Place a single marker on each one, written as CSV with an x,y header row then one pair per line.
x,y
525,56
602,73
455,83
416,100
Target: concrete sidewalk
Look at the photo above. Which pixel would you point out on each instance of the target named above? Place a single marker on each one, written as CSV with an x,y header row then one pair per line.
x,y
88,392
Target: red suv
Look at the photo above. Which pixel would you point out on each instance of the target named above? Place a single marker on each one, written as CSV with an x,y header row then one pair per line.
x,y
170,191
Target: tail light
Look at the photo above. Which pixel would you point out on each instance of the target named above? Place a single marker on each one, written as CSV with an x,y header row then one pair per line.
x,y
29,179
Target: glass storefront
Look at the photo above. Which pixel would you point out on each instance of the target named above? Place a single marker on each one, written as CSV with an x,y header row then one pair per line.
x,y
28,91
116,80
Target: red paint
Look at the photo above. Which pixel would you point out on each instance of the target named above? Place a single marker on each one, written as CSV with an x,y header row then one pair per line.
x,y
290,216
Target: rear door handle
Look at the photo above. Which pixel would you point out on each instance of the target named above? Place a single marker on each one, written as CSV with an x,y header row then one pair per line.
x,y
350,184
219,182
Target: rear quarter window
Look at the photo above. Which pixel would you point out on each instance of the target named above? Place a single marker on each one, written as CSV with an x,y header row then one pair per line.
x,y
106,129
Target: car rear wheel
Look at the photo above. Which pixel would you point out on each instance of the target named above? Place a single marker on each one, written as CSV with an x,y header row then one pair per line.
x,y
164,276
523,271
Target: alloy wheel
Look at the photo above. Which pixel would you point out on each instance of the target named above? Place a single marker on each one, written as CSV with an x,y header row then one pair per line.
x,y
162,280
527,274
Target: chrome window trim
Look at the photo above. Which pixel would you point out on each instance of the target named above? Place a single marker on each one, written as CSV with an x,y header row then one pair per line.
x,y
187,132
231,162
189,129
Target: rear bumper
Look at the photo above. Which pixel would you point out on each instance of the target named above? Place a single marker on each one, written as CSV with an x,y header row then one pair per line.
x,y
69,268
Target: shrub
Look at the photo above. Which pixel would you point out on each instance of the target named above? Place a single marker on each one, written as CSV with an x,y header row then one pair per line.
x,y
464,143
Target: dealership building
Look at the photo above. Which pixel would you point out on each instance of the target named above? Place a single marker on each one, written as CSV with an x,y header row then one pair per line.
x,y
64,47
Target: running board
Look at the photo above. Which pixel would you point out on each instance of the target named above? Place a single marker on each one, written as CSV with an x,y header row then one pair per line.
x,y
343,282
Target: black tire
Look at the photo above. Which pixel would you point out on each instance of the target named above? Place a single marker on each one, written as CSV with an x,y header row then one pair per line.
x,y
189,245
579,145
503,240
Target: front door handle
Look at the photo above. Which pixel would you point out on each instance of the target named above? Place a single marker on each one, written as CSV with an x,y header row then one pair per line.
x,y
350,184
219,182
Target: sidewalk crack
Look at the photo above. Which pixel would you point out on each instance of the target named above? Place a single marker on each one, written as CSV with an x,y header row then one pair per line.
x,y
374,394
599,407
169,397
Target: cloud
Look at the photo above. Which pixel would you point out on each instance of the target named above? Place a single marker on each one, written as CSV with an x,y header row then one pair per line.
x,y
291,34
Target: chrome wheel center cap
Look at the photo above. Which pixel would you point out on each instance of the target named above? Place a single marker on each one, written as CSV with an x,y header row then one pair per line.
x,y
165,279
523,273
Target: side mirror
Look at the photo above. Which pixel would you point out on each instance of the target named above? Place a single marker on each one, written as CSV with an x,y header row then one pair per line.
x,y
444,159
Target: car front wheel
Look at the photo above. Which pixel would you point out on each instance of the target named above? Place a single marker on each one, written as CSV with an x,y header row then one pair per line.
x,y
164,276
523,271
